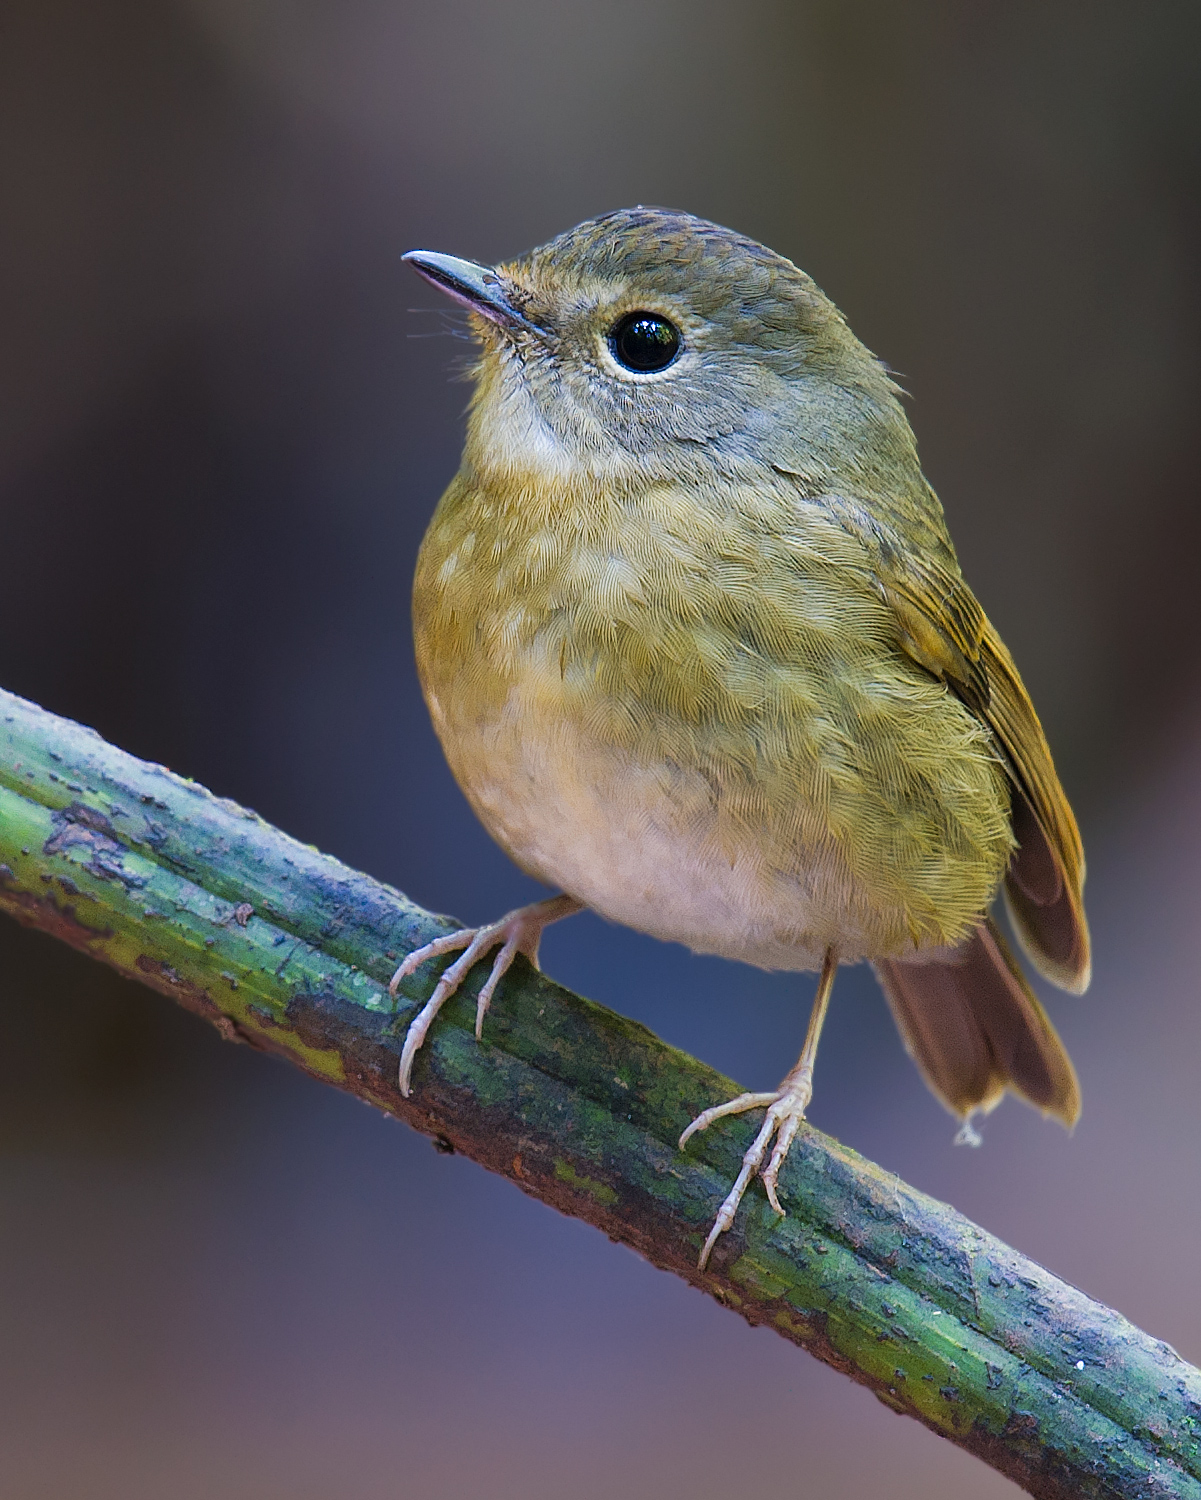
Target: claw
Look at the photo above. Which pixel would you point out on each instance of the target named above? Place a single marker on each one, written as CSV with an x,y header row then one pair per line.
x,y
731,1107
785,1110
518,932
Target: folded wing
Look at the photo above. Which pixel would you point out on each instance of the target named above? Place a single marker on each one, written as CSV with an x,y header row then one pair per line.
x,y
941,625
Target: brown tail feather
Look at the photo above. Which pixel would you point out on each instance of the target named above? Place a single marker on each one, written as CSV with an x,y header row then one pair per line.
x,y
974,1028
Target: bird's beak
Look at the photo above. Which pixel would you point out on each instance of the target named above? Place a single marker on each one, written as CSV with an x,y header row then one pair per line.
x,y
480,288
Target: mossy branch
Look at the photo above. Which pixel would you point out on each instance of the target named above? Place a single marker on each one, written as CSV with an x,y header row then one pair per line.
x,y
285,948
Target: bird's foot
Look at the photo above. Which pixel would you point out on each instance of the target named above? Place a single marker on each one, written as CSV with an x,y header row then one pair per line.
x,y
785,1110
519,932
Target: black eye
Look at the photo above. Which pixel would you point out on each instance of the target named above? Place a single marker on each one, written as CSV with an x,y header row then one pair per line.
x,y
644,342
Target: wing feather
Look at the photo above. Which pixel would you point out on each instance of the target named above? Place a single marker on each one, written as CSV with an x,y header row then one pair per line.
x,y
942,627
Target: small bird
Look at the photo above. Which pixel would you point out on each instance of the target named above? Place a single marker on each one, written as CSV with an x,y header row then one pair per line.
x,y
696,643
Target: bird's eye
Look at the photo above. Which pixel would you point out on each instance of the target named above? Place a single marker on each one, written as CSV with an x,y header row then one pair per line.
x,y
644,342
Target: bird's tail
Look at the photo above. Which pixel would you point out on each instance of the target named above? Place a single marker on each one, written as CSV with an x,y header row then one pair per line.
x,y
973,1026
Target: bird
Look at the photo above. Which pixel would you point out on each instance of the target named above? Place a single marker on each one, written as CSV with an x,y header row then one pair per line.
x,y
696,643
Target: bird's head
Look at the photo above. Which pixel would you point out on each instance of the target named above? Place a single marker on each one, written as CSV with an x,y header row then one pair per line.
x,y
646,345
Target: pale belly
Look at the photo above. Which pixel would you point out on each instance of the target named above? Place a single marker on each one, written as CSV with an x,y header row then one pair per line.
x,y
655,848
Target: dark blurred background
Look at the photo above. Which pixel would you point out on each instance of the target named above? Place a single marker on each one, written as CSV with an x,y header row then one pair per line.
x,y
222,431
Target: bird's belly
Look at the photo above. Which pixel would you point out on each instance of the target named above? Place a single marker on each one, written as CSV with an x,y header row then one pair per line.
x,y
656,848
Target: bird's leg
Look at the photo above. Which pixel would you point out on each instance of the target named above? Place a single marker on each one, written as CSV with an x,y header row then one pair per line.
x,y
519,932
785,1111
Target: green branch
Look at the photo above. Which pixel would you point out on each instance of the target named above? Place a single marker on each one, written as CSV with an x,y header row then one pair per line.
x,y
287,949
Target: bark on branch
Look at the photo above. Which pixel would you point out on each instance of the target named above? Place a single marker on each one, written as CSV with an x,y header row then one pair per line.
x,y
282,947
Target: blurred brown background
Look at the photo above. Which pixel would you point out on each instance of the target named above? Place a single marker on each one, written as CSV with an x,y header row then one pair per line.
x,y
222,431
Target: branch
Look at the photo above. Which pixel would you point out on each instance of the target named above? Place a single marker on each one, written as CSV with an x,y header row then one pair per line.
x,y
289,950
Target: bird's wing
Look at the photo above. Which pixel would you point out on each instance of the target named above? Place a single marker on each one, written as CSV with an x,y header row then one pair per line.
x,y
942,627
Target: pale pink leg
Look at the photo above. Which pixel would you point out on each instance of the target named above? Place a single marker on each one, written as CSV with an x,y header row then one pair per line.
x,y
785,1110
519,932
